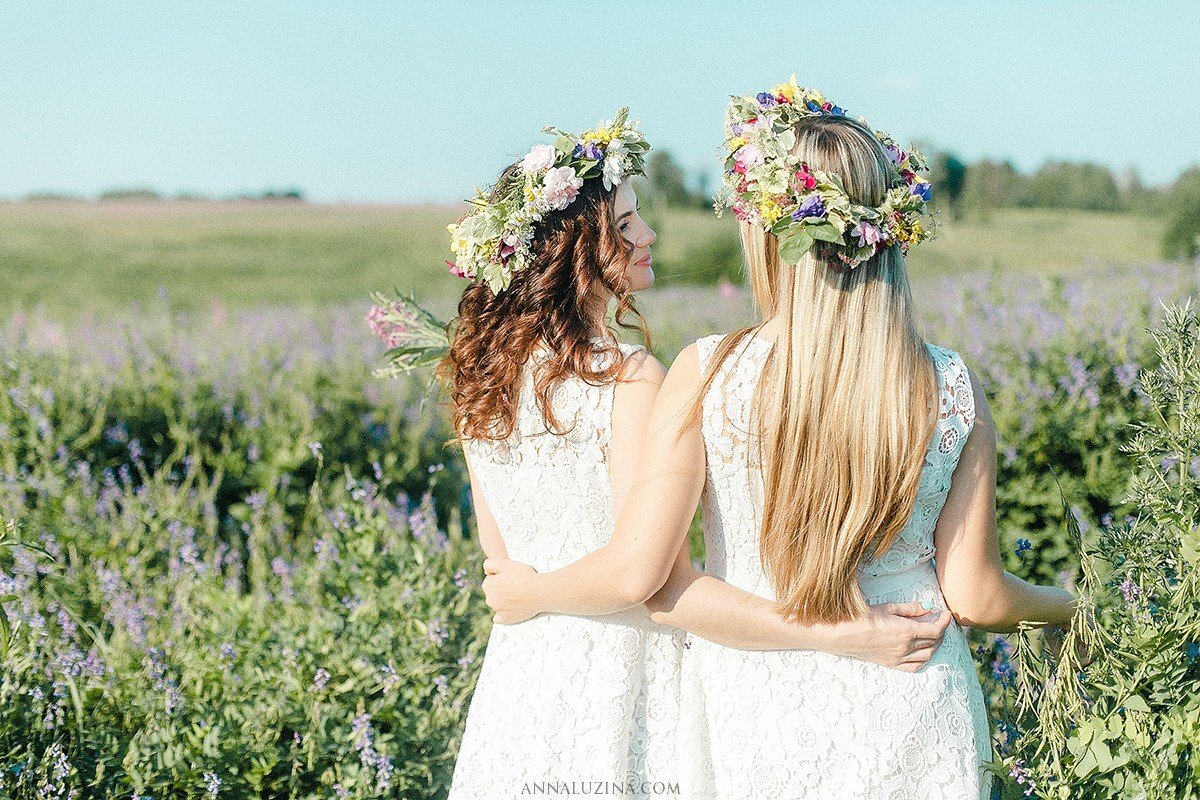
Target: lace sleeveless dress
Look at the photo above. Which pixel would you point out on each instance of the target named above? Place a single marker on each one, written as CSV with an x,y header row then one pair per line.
x,y
803,724
565,703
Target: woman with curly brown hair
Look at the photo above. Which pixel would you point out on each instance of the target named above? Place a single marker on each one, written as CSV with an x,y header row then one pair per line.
x,y
551,410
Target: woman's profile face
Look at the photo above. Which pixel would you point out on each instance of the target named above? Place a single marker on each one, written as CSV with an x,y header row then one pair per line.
x,y
639,270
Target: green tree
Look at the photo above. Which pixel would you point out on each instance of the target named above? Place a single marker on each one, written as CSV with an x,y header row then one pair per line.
x,y
1181,239
1065,184
948,175
989,185
667,181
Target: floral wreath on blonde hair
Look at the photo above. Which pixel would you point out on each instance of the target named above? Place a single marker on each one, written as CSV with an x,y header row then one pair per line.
x,y
491,242
766,185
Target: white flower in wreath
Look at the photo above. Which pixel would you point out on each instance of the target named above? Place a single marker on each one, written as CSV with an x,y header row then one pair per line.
x,y
562,186
614,164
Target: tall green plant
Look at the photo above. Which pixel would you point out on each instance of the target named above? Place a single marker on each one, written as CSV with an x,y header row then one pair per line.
x,y
1128,724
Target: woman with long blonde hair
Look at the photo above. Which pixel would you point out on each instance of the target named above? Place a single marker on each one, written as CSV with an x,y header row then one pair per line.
x,y
843,463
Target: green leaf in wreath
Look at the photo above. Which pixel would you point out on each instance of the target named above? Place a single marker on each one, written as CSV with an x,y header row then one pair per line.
x,y
826,232
794,246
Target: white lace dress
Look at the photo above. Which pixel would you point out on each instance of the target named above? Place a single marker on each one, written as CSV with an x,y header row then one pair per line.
x,y
802,724
564,703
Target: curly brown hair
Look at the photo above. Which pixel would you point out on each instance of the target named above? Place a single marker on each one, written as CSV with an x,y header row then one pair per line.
x,y
578,254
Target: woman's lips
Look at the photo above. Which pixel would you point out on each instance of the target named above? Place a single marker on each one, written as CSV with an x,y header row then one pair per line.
x,y
645,261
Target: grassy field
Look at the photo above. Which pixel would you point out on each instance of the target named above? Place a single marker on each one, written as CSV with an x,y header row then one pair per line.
x,y
80,258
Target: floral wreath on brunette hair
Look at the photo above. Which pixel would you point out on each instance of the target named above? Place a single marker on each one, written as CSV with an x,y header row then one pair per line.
x,y
491,242
765,184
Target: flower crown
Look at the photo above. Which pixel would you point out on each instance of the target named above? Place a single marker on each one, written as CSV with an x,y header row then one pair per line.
x,y
765,184
492,241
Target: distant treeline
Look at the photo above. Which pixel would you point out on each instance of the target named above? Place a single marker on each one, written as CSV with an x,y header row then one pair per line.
x,y
976,189
141,194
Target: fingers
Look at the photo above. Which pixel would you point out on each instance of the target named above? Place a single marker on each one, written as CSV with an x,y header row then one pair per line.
x,y
922,654
491,565
930,632
910,609
916,659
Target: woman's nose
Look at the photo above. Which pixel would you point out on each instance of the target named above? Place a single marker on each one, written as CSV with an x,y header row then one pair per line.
x,y
649,238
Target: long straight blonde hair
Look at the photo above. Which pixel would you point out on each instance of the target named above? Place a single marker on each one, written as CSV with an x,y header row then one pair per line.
x,y
845,406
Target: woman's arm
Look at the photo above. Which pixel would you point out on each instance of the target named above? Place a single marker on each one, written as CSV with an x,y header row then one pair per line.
x,y
891,635
633,400
651,526
977,589
489,532
650,543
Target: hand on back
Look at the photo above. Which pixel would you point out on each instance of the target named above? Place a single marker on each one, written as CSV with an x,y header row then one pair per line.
x,y
901,636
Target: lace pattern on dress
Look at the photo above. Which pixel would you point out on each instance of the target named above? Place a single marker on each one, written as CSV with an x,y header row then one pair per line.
x,y
805,724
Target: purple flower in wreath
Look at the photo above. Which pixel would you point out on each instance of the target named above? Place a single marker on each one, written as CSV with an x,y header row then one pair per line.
x,y
589,150
922,189
896,154
867,234
766,100
811,207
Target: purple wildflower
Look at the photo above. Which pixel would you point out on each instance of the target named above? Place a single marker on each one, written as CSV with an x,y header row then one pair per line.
x,y
1023,776
1130,590
117,433
388,676
361,727
437,632
257,501
1126,375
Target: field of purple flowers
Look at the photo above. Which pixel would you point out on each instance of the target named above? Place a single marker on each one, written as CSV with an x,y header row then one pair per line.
x,y
234,564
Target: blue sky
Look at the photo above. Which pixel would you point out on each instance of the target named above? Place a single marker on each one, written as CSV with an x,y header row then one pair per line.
x,y
398,101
